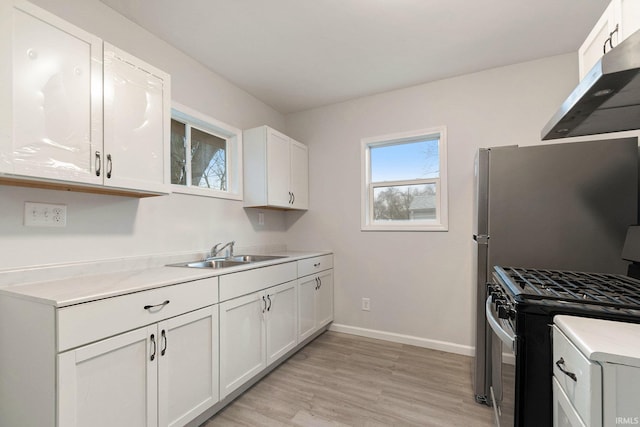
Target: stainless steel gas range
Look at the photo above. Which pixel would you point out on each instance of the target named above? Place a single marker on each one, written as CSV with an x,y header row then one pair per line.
x,y
520,307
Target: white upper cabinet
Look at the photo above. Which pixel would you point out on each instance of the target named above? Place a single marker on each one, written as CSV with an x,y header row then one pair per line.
x,y
50,114
299,179
137,105
619,20
65,123
276,170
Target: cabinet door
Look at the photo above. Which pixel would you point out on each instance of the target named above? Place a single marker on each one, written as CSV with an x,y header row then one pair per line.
x,y
50,118
282,320
306,306
242,341
136,123
188,366
324,299
278,165
564,414
299,180
110,383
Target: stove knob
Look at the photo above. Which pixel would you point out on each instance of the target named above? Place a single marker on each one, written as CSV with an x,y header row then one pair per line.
x,y
503,311
496,296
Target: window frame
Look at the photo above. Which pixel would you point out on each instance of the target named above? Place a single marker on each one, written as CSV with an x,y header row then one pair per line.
x,y
441,222
233,152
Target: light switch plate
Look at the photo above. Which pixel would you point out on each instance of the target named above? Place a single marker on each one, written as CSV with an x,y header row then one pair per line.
x,y
45,215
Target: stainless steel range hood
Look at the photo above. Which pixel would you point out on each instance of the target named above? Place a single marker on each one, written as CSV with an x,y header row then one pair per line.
x,y
606,100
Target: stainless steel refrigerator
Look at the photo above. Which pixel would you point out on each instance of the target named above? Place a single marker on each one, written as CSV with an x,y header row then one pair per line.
x,y
557,206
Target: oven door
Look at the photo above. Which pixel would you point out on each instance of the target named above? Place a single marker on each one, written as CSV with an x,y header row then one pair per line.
x,y
502,374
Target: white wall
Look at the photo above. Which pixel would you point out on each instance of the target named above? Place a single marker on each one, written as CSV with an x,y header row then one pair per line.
x,y
101,227
420,283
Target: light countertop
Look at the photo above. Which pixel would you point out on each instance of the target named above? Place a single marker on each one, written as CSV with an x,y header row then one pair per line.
x,y
82,288
603,340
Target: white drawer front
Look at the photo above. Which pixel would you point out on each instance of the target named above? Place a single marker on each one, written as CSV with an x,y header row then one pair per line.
x,y
245,282
84,323
585,392
314,265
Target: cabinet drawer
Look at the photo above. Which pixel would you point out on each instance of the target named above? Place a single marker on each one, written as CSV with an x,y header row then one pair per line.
x,y
585,392
314,265
84,323
246,282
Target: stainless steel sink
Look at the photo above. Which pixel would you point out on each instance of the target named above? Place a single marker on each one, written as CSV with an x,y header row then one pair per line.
x,y
212,263
254,258
217,263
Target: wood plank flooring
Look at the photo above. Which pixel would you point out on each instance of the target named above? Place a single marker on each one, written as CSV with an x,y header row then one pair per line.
x,y
346,380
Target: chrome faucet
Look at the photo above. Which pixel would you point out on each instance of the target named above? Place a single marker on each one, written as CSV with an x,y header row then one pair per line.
x,y
215,250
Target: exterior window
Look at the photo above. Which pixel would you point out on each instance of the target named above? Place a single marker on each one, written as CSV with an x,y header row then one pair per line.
x,y
404,183
205,155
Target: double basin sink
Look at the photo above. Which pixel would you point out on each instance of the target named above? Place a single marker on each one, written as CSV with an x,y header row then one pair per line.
x,y
232,261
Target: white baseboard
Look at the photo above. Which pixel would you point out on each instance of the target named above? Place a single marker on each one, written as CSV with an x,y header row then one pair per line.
x,y
405,339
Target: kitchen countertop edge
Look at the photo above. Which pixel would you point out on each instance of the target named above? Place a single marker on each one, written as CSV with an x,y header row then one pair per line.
x,y
69,291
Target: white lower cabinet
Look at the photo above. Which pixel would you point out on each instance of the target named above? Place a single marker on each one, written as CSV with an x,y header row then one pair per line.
x,y
315,303
255,330
596,372
163,356
164,374
281,320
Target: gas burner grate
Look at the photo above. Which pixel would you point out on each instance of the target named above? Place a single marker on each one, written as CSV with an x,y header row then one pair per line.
x,y
592,288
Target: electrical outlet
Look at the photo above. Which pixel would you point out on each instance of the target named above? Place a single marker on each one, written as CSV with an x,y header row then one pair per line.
x,y
260,218
366,304
45,215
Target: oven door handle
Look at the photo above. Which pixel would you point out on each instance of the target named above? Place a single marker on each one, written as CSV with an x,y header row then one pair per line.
x,y
506,337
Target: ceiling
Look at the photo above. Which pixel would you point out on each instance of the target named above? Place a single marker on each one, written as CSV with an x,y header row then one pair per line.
x,y
300,54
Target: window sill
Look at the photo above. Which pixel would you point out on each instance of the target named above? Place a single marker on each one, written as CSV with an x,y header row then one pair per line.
x,y
205,192
402,227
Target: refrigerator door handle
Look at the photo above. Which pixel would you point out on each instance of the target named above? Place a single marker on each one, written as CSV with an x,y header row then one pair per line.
x,y
482,239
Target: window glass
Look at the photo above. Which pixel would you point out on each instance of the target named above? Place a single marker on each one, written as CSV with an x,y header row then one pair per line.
x,y
404,202
404,181
178,153
205,155
208,160
410,160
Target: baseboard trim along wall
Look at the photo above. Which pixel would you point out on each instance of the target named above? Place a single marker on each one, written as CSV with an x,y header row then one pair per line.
x,y
405,339
464,350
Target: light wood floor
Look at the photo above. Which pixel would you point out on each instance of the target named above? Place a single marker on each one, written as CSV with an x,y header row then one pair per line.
x,y
342,379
